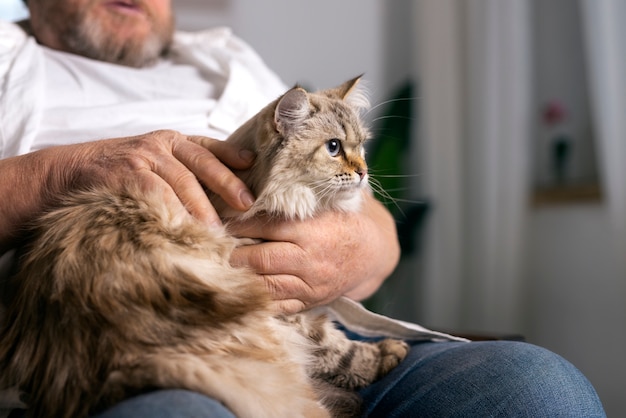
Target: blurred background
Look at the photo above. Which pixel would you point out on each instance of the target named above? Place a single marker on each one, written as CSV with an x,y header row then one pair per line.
x,y
499,130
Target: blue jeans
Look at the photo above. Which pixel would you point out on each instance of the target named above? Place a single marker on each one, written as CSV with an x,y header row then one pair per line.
x,y
480,379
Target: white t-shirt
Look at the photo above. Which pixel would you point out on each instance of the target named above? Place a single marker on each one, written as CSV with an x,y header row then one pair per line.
x,y
209,84
84,100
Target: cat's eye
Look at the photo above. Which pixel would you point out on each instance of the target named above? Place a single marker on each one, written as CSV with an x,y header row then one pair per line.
x,y
333,146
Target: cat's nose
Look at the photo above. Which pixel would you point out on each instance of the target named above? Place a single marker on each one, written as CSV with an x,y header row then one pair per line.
x,y
362,172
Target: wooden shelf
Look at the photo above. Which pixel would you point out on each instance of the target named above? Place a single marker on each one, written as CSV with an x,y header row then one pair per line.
x,y
567,195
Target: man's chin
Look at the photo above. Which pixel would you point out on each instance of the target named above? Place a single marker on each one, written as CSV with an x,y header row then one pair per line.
x,y
135,54
131,47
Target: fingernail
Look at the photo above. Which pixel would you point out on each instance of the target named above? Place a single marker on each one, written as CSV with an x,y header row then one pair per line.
x,y
247,198
247,155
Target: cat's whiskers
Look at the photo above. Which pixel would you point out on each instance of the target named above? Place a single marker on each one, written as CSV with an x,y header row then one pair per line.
x,y
397,175
329,190
392,117
401,99
385,194
322,188
377,187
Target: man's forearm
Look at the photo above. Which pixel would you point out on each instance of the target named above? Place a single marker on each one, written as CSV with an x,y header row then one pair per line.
x,y
23,184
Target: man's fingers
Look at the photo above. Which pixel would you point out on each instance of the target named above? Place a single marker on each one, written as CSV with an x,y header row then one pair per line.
x,y
285,286
272,261
189,191
234,157
282,288
289,306
268,229
214,174
270,258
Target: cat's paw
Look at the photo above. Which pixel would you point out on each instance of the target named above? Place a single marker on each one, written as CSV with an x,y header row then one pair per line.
x,y
392,352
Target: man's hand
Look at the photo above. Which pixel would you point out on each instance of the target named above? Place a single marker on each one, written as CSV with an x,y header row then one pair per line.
x,y
310,263
166,161
176,164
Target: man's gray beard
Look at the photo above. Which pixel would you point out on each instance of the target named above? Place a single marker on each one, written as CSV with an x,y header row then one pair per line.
x,y
89,40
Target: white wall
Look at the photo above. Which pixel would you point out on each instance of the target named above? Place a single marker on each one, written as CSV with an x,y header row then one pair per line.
x,y
575,303
12,10
318,44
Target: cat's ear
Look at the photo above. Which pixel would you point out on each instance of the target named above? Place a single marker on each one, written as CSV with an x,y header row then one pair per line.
x,y
292,109
353,92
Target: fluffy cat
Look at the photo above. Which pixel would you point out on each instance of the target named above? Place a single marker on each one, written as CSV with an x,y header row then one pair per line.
x,y
117,293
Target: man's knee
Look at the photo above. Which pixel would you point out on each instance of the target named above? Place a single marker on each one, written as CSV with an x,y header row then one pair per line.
x,y
173,403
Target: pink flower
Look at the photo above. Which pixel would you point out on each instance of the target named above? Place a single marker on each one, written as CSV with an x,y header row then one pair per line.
x,y
554,113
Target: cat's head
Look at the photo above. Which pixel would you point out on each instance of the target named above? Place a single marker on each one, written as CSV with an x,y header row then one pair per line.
x,y
311,154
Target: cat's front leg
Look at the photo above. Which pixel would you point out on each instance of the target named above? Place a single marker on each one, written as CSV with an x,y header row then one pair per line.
x,y
392,352
359,363
343,362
